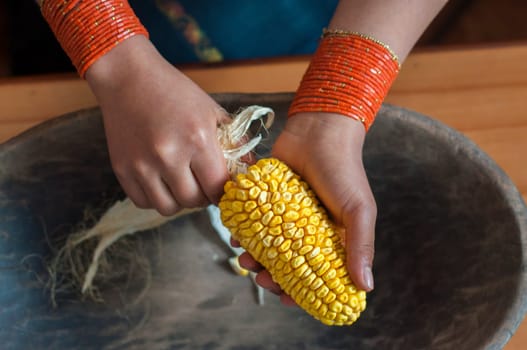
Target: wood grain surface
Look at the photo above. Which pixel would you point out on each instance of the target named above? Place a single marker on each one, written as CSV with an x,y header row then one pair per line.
x,y
481,92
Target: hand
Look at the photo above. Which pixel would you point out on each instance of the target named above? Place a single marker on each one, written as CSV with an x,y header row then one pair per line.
x,y
160,127
326,151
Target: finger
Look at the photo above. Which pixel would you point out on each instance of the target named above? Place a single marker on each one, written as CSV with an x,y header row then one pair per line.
x,y
222,116
287,300
184,187
159,195
265,280
135,192
211,173
235,243
360,242
247,262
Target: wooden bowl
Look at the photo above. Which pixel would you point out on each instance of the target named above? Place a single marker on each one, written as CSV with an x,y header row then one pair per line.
x,y
449,265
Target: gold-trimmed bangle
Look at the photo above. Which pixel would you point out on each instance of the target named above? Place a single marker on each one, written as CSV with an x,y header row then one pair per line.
x,y
88,29
340,32
349,74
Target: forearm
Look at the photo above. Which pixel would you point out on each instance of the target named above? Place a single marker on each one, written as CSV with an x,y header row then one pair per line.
x,y
397,23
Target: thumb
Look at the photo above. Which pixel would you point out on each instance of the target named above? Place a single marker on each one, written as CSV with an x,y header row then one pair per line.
x,y
359,223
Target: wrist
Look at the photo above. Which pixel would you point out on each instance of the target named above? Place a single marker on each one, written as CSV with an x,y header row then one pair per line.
x,y
113,70
316,126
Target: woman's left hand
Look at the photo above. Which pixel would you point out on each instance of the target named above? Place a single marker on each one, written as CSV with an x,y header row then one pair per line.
x,y
326,151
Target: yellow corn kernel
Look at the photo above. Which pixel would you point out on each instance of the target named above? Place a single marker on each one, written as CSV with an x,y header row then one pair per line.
x,y
249,206
267,241
314,220
299,233
273,185
279,208
323,268
290,233
263,186
230,193
296,245
246,183
253,175
266,219
285,246
329,275
330,297
278,240
279,264
256,227
286,278
291,215
299,272
296,262
237,206
287,268
240,217
257,251
262,197
275,221
336,263
311,229
317,283
343,298
340,288
241,195
309,279
286,256
310,240
279,221
316,304
333,284
275,197
272,253
322,291
347,310
306,212
305,249
335,306
266,207
340,319
246,233
275,231
311,297
245,224
254,192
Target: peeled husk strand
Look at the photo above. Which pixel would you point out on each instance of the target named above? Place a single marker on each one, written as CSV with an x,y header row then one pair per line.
x,y
88,253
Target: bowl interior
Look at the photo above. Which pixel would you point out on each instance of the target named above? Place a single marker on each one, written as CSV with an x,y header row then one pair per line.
x,y
448,265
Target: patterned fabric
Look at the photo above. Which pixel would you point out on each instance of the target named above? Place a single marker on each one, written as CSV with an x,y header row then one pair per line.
x,y
190,30
210,31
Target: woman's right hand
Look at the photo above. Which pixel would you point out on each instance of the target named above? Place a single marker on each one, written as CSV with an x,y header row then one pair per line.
x,y
160,128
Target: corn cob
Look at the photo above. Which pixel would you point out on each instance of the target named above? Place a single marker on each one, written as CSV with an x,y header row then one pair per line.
x,y
278,220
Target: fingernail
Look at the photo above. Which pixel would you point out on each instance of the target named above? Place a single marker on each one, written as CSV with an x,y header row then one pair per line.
x,y
368,277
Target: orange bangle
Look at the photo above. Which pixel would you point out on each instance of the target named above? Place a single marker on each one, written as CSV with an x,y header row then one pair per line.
x,y
88,29
350,74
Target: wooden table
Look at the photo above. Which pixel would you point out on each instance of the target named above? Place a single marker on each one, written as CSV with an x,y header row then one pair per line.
x,y
481,92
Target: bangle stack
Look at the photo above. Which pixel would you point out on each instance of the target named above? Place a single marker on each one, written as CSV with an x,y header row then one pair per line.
x,y
88,29
350,74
